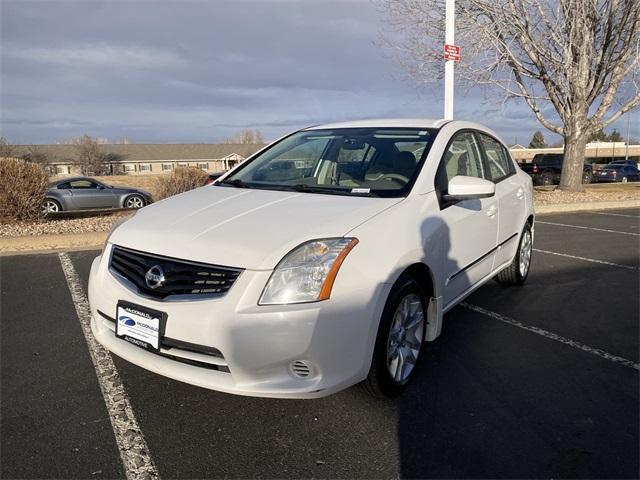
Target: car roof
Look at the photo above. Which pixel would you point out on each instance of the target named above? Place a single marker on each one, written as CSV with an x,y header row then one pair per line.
x,y
73,179
384,123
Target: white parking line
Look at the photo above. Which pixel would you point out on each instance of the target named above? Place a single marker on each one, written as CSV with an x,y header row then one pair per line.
x,y
593,260
553,336
588,228
616,215
133,448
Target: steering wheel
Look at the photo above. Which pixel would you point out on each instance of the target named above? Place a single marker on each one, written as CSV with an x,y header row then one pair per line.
x,y
394,176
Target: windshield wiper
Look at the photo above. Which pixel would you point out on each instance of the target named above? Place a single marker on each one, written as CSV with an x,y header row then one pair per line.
x,y
235,183
302,187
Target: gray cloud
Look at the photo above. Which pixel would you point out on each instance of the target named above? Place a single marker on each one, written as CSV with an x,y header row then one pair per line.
x,y
183,71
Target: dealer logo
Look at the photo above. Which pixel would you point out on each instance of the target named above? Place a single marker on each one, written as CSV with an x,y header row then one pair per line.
x,y
154,278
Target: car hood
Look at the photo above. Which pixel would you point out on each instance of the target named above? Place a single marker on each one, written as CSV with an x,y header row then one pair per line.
x,y
246,228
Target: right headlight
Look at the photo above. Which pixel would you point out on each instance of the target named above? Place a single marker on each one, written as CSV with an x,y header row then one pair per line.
x,y
307,273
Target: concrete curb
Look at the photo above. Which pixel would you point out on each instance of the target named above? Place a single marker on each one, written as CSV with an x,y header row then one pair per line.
x,y
34,244
586,206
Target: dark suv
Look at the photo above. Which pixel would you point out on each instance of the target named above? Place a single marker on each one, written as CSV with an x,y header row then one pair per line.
x,y
545,169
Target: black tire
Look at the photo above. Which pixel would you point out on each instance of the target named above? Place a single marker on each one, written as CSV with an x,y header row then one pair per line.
x,y
139,199
546,179
379,382
587,177
624,180
512,275
54,203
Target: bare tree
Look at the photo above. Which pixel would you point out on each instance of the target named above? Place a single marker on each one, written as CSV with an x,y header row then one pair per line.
x,y
6,149
572,61
91,159
246,137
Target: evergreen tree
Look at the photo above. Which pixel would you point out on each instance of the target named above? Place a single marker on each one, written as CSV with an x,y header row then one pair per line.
x,y
537,141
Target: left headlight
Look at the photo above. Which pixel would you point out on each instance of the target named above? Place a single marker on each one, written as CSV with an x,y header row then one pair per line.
x,y
307,273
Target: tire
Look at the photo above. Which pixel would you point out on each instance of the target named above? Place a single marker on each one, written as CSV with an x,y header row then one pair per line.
x,y
51,206
403,297
515,274
546,179
134,201
624,180
587,177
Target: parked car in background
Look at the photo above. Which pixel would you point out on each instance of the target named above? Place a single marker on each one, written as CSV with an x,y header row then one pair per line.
x,y
300,281
630,163
617,172
212,177
84,193
546,168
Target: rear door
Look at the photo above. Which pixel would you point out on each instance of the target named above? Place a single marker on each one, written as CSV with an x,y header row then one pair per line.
x,y
470,226
509,194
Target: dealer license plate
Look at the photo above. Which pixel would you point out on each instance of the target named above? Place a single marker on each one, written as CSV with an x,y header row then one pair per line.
x,y
140,326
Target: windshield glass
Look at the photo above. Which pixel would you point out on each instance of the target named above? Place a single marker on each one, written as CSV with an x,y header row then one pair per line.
x,y
353,161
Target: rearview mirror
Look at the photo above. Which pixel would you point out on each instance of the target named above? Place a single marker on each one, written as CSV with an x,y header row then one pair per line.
x,y
464,188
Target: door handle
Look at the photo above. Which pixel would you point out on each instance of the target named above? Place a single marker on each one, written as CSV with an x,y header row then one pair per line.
x,y
491,212
520,193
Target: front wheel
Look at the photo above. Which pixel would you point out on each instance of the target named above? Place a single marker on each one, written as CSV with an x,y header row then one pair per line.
x,y
587,177
134,201
518,270
399,340
625,179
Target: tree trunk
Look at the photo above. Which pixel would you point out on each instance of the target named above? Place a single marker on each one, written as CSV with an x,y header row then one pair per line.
x,y
575,143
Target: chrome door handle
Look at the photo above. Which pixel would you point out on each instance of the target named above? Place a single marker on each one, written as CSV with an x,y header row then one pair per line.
x,y
520,193
491,212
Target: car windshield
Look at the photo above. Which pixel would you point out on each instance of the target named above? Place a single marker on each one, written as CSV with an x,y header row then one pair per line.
x,y
352,161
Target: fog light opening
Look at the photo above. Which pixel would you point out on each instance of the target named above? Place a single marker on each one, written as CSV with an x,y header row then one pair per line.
x,y
302,369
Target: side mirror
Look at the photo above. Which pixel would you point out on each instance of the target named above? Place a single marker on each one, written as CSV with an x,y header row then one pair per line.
x,y
100,187
465,188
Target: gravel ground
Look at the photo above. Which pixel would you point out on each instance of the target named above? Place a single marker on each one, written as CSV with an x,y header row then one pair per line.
x,y
103,223
593,193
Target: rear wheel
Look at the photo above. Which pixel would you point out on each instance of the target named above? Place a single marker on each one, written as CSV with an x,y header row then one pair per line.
x,y
399,340
546,179
625,179
50,206
518,271
587,177
134,201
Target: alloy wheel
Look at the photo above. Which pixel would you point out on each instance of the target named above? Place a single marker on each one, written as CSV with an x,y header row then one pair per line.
x,y
525,253
49,206
134,202
405,338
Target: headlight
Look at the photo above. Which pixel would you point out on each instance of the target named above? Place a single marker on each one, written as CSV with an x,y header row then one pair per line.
x,y
113,229
307,273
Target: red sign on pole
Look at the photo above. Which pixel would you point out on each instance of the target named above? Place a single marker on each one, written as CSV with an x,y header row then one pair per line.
x,y
452,52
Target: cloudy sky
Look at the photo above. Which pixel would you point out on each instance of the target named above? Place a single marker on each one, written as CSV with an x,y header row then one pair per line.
x,y
187,71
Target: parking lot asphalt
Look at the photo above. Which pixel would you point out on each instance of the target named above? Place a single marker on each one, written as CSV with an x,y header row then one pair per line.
x,y
525,382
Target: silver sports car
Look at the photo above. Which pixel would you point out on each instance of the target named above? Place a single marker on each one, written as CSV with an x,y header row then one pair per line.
x,y
84,193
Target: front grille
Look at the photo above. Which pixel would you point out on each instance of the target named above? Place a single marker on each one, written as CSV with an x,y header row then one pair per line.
x,y
181,277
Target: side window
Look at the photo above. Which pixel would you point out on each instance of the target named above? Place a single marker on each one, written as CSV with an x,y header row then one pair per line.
x,y
82,184
64,186
461,158
500,164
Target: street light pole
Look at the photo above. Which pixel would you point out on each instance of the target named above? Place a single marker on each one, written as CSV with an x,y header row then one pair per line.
x,y
448,65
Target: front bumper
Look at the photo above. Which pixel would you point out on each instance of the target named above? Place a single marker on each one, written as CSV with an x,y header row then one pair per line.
x,y
258,344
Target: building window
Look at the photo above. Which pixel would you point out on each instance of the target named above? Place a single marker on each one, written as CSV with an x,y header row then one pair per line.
x,y
203,166
145,167
129,167
62,169
167,166
183,164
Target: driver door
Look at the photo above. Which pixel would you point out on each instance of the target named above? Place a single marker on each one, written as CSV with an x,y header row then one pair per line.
x,y
87,194
470,226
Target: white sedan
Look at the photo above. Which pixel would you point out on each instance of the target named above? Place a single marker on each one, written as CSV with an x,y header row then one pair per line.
x,y
326,259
